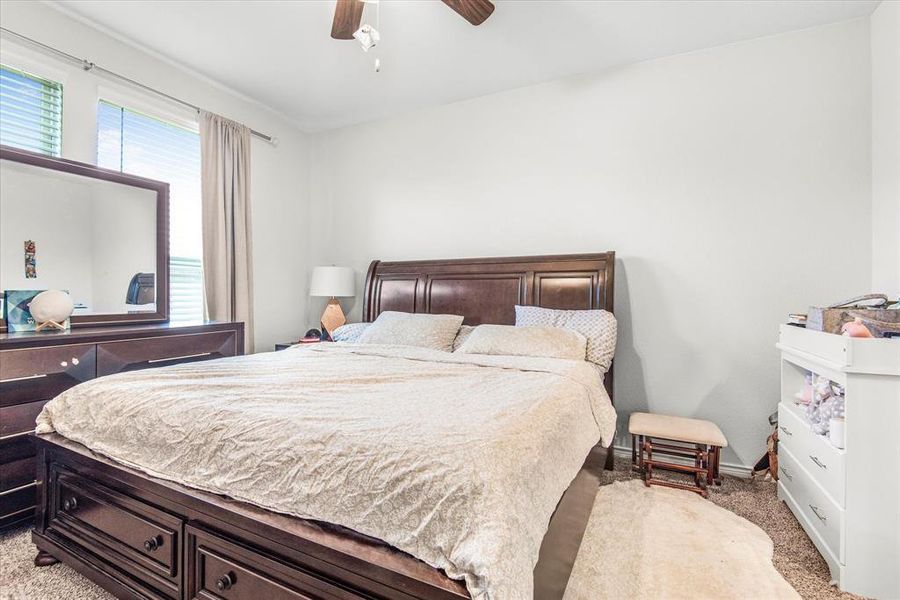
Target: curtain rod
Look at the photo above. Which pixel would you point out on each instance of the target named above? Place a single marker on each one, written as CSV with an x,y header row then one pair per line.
x,y
89,66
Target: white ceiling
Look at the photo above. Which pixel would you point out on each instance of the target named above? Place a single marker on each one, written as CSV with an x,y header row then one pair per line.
x,y
281,53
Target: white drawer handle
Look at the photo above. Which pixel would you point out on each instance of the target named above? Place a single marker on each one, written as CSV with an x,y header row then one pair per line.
x,y
819,463
27,377
159,360
786,474
785,429
815,510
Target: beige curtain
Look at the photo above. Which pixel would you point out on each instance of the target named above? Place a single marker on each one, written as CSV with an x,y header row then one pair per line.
x,y
227,269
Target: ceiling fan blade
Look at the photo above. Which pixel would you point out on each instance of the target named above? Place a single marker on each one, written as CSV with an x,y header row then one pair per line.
x,y
475,12
347,17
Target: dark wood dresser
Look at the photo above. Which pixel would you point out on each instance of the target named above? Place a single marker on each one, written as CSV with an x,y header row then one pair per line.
x,y
35,367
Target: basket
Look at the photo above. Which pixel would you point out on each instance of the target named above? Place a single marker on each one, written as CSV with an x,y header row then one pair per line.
x,y
876,318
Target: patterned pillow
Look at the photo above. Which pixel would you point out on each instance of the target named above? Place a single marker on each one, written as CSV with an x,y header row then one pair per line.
x,y
464,332
349,332
413,329
598,326
545,342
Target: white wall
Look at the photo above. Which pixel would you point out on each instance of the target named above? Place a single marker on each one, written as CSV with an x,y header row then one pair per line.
x,y
733,183
278,174
885,27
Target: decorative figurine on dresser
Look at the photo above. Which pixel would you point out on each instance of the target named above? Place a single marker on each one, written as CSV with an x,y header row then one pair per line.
x,y
839,450
107,333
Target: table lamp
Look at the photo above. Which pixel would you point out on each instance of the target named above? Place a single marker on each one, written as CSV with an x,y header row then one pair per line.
x,y
332,282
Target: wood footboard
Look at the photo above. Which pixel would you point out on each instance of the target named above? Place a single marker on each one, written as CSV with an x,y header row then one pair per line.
x,y
139,536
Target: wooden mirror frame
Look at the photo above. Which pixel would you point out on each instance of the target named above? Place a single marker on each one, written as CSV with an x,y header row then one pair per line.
x,y
161,189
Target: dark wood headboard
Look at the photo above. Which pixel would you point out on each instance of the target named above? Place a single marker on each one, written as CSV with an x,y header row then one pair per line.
x,y
486,290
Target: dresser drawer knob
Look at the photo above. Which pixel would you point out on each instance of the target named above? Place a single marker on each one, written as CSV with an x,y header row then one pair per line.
x,y
819,463
785,429
152,544
70,504
785,473
225,581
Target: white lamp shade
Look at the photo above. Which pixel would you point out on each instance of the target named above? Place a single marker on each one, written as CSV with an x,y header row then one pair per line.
x,y
332,281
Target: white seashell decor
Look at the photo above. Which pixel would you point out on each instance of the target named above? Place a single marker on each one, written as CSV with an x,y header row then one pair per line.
x,y
51,305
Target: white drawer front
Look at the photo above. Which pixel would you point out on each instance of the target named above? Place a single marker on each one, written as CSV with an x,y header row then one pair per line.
x,y
824,462
826,516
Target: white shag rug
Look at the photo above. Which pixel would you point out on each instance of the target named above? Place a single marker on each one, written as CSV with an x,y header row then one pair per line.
x,y
648,543
662,543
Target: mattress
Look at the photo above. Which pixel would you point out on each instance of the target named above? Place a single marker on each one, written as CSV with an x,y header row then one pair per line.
x,y
458,460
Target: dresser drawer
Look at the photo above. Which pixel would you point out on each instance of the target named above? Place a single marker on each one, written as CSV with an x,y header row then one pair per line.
x,y
17,504
17,421
820,510
17,472
824,462
130,355
133,530
220,568
42,373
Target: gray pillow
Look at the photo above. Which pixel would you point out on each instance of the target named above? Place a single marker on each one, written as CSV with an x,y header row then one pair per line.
x,y
349,332
413,329
598,326
464,332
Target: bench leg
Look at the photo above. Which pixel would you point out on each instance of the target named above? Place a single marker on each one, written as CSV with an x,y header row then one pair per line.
x,y
717,477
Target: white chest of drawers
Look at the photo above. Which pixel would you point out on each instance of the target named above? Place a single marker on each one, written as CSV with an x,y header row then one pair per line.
x,y
847,500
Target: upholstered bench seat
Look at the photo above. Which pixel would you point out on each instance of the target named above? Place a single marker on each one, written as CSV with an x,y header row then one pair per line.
x,y
694,431
694,440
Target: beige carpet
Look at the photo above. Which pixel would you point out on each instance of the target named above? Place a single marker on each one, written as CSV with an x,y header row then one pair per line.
x,y
616,553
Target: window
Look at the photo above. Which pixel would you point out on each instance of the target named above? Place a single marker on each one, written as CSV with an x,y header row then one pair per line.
x,y
135,143
30,112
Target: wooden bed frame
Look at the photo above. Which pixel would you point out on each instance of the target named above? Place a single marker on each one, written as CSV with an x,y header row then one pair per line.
x,y
142,537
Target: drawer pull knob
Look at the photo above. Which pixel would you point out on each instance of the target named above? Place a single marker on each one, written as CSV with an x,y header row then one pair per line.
x,y
70,504
815,510
152,544
785,429
225,581
819,463
785,473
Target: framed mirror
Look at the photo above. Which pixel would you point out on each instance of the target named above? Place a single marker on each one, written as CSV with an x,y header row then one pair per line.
x,y
100,235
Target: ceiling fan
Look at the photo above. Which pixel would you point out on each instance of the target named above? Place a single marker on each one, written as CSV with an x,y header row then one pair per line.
x,y
348,14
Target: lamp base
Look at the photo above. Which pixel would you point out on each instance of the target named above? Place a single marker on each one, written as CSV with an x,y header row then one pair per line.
x,y
333,317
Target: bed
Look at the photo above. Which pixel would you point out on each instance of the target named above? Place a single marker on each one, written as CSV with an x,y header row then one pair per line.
x,y
151,524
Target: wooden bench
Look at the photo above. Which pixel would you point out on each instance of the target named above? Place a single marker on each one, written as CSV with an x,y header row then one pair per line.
x,y
698,441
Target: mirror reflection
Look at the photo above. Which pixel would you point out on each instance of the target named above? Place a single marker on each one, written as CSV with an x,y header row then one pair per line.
x,y
95,239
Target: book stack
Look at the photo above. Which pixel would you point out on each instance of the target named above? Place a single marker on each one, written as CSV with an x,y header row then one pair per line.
x,y
797,319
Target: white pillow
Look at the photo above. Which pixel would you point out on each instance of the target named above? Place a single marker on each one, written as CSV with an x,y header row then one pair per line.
x,y
349,332
413,329
598,326
464,332
546,342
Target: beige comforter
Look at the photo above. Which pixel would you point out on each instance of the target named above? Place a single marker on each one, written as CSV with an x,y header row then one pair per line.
x,y
458,460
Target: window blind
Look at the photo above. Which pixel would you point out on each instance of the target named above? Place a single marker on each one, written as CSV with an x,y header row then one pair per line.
x,y
132,142
30,112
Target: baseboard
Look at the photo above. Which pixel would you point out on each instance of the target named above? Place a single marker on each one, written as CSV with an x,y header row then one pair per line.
x,y
741,471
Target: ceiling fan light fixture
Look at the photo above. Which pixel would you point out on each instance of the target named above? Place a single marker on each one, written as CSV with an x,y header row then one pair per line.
x,y
367,36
